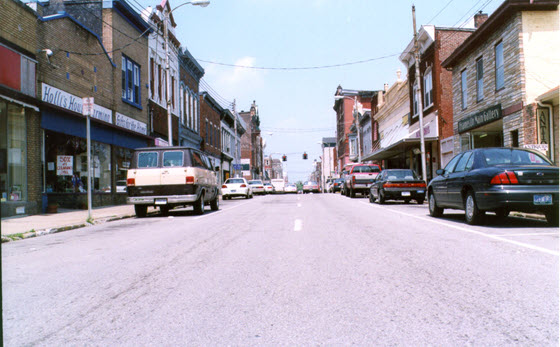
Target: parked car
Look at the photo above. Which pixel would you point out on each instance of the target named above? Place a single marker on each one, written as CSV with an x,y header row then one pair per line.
x,y
236,187
498,180
268,188
398,184
359,177
311,187
278,184
290,188
257,186
169,177
336,185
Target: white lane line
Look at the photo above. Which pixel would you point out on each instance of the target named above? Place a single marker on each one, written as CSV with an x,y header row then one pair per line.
x,y
494,237
220,210
298,225
528,234
298,205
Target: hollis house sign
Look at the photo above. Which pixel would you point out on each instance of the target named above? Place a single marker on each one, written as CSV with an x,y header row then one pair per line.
x,y
476,120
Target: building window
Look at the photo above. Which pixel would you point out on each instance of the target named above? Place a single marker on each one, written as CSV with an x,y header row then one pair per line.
x,y
464,89
514,138
130,81
415,101
152,78
499,51
479,79
27,76
428,89
160,83
13,152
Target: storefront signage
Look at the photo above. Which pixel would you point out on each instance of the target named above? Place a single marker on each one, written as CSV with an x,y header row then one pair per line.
x,y
130,124
543,148
71,102
476,120
64,165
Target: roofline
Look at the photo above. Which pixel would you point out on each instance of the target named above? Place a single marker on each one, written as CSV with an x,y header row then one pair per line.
x,y
496,19
212,102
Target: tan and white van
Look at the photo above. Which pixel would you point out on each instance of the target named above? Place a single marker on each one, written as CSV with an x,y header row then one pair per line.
x,y
168,177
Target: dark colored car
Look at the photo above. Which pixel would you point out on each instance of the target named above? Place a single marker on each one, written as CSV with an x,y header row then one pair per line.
x,y
498,180
337,185
398,184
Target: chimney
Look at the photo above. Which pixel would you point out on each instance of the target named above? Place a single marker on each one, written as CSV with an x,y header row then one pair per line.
x,y
479,19
386,87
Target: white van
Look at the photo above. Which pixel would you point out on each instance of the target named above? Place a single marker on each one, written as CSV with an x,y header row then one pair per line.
x,y
278,184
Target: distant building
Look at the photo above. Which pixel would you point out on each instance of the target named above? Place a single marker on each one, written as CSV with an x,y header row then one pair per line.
x,y
328,159
251,144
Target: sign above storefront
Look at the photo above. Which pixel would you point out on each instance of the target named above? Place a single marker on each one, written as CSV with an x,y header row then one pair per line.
x,y
130,124
481,118
71,102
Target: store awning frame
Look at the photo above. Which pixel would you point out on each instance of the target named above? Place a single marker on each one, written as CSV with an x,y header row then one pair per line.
x,y
396,148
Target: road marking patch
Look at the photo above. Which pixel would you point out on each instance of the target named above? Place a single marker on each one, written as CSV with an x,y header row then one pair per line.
x,y
494,237
298,225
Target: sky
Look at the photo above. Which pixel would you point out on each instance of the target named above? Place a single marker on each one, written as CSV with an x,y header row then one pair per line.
x,y
296,105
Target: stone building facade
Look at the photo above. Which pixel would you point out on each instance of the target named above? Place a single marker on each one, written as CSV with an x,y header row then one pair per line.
x,y
500,72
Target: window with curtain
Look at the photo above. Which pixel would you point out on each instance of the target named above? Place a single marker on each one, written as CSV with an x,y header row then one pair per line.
x,y
428,89
479,79
464,89
499,52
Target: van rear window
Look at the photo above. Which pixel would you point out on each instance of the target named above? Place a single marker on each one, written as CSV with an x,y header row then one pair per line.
x,y
174,158
147,159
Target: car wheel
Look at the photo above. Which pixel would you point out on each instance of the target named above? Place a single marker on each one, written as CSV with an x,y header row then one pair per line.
x,y
141,210
381,197
420,201
199,205
352,193
215,204
501,213
435,211
552,217
472,214
407,201
251,196
247,196
164,210
371,198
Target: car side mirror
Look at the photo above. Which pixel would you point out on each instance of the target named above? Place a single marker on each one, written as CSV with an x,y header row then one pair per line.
x,y
439,172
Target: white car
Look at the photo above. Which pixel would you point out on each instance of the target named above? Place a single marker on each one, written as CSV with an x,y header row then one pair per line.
x,y
269,188
290,188
236,187
257,186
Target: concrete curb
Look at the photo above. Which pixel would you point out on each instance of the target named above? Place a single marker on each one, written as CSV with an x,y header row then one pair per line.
x,y
42,232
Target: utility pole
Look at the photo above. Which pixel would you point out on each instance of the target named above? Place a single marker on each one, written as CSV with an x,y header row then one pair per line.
x,y
236,162
419,97
168,79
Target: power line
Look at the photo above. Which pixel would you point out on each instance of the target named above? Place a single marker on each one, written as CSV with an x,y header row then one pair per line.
x,y
440,11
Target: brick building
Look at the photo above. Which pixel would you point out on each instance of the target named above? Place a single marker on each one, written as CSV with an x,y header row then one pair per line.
x,y
20,134
346,135
252,145
210,128
436,103
190,73
501,76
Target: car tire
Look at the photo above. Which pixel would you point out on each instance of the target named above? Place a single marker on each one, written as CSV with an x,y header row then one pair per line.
x,y
164,210
215,204
199,205
247,196
473,215
435,211
381,197
552,217
352,193
371,198
420,201
141,210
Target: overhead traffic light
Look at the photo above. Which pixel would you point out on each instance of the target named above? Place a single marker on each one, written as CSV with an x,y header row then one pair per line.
x,y
284,158
304,156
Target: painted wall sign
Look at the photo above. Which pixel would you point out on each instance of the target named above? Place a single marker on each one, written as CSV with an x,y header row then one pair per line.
x,y
476,120
131,124
71,102
64,165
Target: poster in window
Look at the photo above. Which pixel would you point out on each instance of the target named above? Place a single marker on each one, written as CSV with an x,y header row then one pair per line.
x,y
64,165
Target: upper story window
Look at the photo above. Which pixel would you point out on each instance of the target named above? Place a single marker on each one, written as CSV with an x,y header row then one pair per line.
x,y
415,100
479,79
428,89
499,52
464,89
130,81
152,77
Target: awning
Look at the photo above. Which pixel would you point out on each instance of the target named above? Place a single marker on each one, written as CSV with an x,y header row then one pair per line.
x,y
397,148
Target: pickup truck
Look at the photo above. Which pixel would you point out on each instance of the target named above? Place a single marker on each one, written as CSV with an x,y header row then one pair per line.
x,y
358,178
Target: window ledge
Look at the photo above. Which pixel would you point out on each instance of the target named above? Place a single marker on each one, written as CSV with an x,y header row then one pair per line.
x,y
126,101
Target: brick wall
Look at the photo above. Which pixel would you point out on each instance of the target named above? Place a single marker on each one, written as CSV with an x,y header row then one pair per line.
x,y
18,26
209,115
246,146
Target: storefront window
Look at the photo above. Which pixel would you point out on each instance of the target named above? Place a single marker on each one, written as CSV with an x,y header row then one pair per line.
x,y
13,153
123,157
66,158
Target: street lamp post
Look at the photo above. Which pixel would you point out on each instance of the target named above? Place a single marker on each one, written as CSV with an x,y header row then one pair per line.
x,y
201,3
356,120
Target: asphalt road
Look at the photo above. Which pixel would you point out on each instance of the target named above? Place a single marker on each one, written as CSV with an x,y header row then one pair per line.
x,y
317,269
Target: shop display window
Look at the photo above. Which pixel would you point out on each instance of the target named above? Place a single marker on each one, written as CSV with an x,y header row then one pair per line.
x,y
13,153
123,157
66,158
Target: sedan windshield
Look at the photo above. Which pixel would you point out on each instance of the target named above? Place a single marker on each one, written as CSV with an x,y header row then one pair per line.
x,y
255,182
234,181
399,175
506,156
366,169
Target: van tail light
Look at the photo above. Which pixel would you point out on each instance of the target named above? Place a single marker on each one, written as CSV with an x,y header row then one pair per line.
x,y
130,182
353,180
507,177
190,180
224,186
243,186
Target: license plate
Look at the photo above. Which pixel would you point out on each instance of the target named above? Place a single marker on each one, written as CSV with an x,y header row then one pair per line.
x,y
161,202
233,190
420,191
405,193
542,199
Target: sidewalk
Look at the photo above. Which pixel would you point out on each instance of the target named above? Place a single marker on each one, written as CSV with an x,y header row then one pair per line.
x,y
36,225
